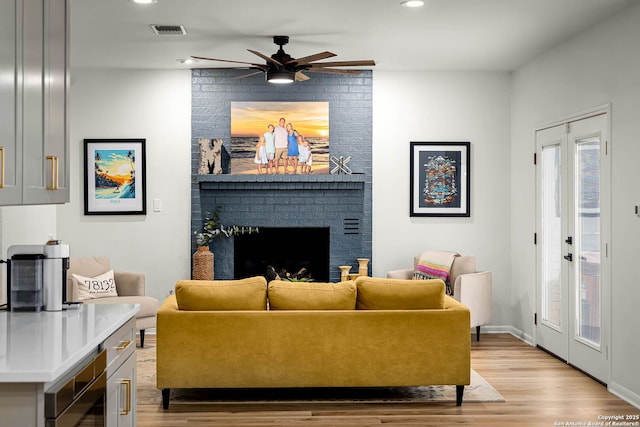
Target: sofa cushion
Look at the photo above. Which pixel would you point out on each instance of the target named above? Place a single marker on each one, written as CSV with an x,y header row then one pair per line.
x,y
202,295
100,286
396,294
285,295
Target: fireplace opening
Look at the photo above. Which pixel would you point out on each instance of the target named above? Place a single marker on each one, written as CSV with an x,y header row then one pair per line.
x,y
289,249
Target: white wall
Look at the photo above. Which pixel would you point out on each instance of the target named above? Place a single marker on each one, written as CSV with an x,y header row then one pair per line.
x,y
600,66
155,105
422,106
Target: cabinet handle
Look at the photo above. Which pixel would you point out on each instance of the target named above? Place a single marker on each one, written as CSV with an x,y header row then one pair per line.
x,y
55,169
123,345
127,404
2,167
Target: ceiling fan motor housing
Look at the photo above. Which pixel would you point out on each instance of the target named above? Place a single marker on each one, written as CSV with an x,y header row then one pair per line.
x,y
281,56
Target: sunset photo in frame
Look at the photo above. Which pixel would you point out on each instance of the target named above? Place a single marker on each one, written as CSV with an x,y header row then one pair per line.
x,y
114,177
440,179
250,120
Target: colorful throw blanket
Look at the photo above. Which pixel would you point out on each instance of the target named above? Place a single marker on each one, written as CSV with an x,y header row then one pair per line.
x,y
436,265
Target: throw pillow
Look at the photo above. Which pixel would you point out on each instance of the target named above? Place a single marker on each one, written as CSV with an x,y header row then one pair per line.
x,y
397,294
206,295
285,295
101,286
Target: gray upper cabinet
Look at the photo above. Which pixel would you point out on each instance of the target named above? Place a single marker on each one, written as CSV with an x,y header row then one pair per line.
x,y
34,48
10,146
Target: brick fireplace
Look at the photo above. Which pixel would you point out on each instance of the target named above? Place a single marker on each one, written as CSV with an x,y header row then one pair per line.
x,y
339,203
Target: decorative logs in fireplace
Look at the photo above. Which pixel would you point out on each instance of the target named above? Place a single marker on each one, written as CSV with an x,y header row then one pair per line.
x,y
300,276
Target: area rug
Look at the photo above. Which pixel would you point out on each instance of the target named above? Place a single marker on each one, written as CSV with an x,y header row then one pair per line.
x,y
147,394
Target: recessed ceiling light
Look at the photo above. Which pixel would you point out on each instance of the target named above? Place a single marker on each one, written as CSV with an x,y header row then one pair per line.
x,y
185,61
145,1
412,3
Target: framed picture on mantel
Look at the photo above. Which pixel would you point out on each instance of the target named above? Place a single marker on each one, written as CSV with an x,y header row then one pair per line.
x,y
114,177
440,179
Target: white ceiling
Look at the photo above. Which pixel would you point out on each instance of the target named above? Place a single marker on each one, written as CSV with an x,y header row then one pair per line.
x,y
443,35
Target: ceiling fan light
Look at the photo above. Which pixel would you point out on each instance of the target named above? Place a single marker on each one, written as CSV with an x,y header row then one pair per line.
x,y
280,76
412,3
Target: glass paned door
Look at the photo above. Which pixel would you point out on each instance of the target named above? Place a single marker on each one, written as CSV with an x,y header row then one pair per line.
x,y
572,223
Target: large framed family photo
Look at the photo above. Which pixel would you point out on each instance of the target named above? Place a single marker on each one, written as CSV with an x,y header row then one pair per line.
x,y
303,124
440,179
114,177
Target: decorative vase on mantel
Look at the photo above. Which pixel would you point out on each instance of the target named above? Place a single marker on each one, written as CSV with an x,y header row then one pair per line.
x,y
203,264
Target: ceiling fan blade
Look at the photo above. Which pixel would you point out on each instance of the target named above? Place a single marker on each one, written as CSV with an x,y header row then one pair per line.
x,y
332,71
311,58
227,60
367,62
265,57
300,77
249,75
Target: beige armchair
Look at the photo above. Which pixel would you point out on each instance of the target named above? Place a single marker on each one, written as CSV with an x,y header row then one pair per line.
x,y
129,285
470,287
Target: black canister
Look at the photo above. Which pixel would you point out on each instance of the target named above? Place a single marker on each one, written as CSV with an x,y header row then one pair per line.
x,y
25,282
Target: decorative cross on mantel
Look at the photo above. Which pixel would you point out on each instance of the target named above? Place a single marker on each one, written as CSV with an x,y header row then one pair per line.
x,y
340,165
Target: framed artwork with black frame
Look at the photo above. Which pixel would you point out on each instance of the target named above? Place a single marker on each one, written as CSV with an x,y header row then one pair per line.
x,y
440,179
114,177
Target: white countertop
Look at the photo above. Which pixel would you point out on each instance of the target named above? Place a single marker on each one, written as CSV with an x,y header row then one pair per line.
x,y
40,347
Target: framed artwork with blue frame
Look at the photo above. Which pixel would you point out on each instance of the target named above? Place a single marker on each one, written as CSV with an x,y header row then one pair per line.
x,y
440,174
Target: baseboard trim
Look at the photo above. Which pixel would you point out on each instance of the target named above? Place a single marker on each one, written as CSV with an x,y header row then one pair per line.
x,y
506,329
624,393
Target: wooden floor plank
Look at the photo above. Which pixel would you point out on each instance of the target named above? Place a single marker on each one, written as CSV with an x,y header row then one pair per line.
x,y
539,390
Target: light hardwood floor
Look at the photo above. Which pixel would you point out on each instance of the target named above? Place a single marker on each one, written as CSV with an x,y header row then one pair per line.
x,y
539,391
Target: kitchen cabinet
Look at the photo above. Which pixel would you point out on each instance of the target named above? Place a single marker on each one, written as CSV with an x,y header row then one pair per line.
x,y
121,377
10,150
121,395
40,350
34,87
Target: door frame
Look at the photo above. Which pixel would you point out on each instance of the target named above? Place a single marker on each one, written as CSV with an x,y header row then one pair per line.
x,y
606,273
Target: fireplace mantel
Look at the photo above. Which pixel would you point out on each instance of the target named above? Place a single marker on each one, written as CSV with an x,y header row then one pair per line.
x,y
240,178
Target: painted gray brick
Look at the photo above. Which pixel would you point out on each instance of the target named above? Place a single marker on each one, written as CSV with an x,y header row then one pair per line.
x,y
270,201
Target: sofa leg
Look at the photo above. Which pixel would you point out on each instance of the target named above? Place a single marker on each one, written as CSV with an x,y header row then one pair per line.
x,y
459,393
165,397
141,338
477,333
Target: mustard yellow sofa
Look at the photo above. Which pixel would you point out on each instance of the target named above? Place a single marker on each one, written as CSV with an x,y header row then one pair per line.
x,y
371,332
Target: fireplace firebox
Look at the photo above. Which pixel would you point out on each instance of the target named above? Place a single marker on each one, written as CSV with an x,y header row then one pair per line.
x,y
285,249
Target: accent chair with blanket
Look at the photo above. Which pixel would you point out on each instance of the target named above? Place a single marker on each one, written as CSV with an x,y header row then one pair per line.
x,y
466,284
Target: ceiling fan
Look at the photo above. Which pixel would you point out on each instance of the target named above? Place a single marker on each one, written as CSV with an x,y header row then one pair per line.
x,y
282,68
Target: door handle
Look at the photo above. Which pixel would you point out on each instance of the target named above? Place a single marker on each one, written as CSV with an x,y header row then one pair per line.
x,y
569,257
55,169
2,167
123,345
127,399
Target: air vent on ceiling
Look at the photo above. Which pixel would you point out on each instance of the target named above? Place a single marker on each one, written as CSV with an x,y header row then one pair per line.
x,y
173,30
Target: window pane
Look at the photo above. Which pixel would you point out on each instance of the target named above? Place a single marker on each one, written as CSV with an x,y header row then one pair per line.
x,y
551,235
588,243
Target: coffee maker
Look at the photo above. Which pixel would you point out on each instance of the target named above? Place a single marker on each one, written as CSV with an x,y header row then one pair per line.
x,y
37,276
